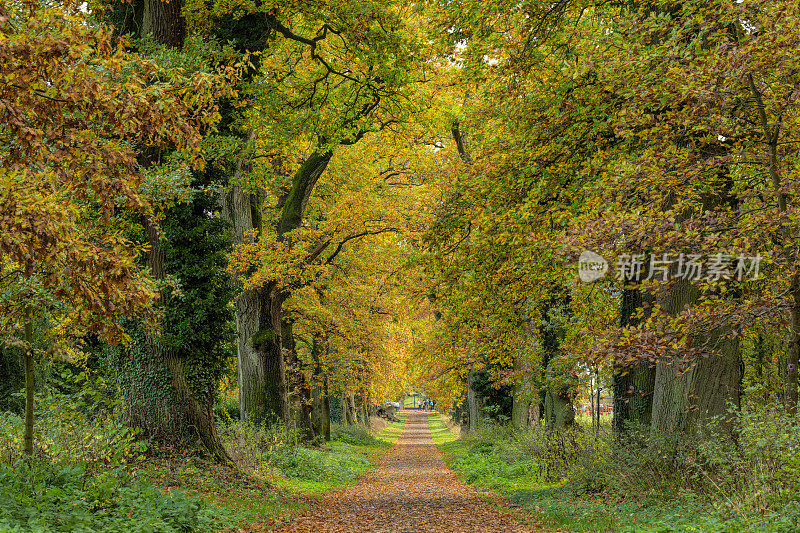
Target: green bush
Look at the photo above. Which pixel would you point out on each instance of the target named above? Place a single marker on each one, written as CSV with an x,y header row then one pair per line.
x,y
356,435
740,472
263,449
66,432
253,446
80,477
339,465
41,497
227,409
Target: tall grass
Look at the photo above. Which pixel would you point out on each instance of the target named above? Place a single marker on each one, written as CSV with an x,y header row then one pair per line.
x,y
745,473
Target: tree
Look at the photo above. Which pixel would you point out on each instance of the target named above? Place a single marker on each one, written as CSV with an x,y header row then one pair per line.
x,y
169,376
75,106
329,77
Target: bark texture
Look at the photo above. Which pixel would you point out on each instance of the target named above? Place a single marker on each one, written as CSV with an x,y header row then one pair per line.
x,y
474,402
162,21
522,393
261,366
158,396
632,387
683,398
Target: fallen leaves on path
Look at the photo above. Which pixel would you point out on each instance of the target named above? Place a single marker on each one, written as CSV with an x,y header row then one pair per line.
x,y
411,491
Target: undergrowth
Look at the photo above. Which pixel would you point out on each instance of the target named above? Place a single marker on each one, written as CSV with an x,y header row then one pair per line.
x,y
584,481
91,473
83,477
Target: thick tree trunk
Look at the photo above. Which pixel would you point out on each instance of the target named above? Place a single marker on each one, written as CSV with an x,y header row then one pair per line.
x,y
262,330
684,398
473,402
261,365
199,412
632,387
158,397
251,366
533,414
162,20
519,410
352,408
522,392
559,412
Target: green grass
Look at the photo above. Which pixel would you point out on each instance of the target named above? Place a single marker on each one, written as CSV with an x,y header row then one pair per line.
x,y
440,433
341,462
93,477
483,462
300,475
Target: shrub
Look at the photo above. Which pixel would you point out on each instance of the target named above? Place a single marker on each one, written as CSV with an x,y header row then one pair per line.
x,y
67,433
356,435
742,469
48,497
263,449
253,446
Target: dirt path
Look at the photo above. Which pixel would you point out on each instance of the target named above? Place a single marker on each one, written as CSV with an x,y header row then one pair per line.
x,y
411,491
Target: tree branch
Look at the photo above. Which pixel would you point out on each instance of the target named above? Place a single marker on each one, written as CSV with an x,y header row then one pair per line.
x,y
356,236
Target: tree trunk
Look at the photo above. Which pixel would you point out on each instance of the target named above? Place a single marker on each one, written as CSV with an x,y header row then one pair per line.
x,y
771,133
162,20
365,409
794,347
303,182
533,414
353,409
559,412
597,381
473,402
259,354
320,406
29,385
347,418
260,322
632,387
158,397
199,413
683,398
521,395
298,389
558,409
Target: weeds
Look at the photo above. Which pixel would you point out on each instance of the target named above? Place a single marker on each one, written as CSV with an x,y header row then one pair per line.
x,y
736,474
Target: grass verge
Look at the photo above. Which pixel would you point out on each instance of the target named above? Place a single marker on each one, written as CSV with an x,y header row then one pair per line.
x,y
89,476
289,477
488,459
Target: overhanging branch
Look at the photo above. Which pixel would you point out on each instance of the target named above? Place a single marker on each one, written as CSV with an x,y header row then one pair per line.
x,y
357,236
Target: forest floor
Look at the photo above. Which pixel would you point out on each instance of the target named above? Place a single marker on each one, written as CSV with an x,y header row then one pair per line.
x,y
411,491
